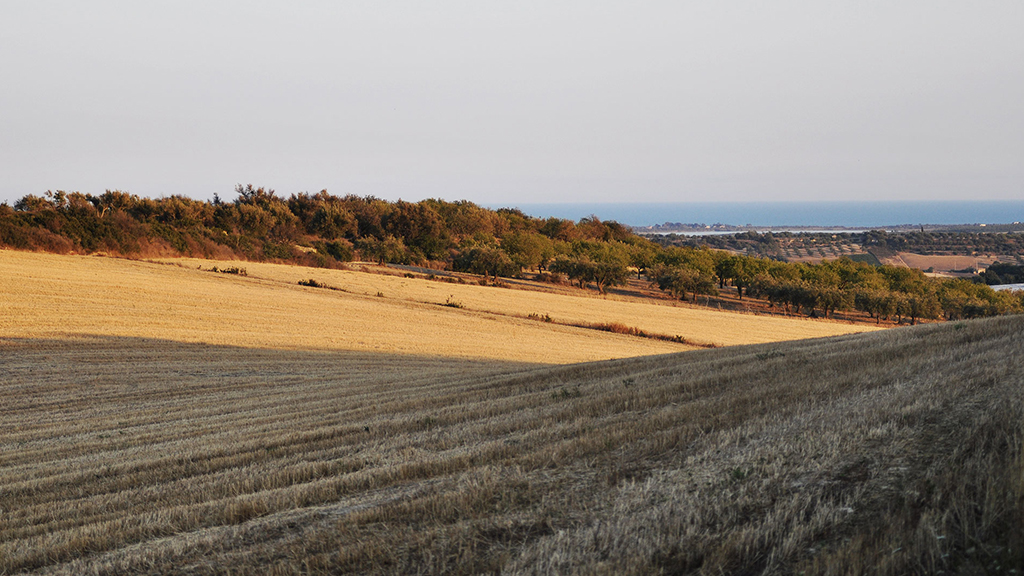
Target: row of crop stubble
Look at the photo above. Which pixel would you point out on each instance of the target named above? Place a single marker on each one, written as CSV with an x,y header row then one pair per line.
x,y
892,452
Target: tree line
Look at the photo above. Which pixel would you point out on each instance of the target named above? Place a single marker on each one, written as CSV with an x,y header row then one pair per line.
x,y
315,229
325,230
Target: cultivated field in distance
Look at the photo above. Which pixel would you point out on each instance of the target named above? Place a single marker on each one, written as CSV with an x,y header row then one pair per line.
x,y
946,263
890,452
51,296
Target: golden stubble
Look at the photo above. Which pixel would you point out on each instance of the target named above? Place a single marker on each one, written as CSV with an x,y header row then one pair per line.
x,y
696,324
47,296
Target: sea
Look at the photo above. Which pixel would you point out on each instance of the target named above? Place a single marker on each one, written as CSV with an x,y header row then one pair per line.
x,y
863,215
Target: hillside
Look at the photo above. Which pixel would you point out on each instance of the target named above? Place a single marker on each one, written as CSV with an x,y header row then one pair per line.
x,y
50,296
890,452
325,231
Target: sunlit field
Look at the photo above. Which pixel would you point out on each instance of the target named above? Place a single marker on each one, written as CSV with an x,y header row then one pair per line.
x,y
165,419
51,296
47,296
701,325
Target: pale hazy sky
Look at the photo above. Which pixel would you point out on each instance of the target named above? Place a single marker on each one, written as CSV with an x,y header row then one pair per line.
x,y
515,102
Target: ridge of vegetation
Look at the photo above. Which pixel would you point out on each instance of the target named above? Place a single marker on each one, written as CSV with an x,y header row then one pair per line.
x,y
325,231
892,452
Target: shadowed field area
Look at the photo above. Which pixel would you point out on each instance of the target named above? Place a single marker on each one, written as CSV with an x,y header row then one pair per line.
x,y
892,452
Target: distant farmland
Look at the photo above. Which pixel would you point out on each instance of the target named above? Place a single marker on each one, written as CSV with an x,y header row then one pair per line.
x,y
942,250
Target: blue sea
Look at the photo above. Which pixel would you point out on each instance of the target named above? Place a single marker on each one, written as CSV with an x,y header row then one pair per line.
x,y
782,214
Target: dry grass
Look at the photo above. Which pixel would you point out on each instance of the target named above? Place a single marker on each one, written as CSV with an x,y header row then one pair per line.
x,y
892,453
48,296
698,325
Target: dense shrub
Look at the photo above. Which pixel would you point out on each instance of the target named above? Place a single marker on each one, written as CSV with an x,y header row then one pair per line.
x,y
485,260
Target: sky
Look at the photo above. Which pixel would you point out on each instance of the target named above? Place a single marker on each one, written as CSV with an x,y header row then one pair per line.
x,y
515,102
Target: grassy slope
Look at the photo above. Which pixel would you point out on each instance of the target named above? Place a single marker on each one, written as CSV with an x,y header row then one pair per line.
x,y
891,452
696,324
46,296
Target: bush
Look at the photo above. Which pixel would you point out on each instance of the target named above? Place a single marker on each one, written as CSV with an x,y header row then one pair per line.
x,y
233,270
550,278
340,250
452,303
485,260
388,250
583,270
619,328
275,251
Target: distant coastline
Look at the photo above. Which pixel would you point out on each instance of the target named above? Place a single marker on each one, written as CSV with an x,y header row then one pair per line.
x,y
777,215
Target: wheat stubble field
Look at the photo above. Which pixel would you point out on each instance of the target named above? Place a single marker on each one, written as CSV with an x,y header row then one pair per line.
x,y
54,296
695,324
57,296
208,435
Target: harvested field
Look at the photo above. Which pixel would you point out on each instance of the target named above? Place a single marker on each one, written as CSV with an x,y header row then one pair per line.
x,y
164,419
47,296
694,324
945,263
892,452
